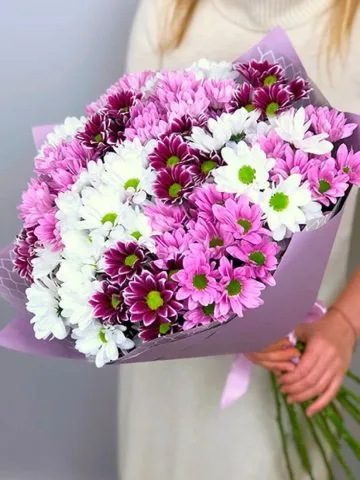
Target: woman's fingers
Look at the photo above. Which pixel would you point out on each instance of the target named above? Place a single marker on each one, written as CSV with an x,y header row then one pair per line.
x,y
277,367
307,362
327,396
278,356
313,391
281,344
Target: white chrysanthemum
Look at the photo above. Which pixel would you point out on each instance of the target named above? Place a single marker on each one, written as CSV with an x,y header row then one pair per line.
x,y
102,343
128,168
214,70
84,247
246,170
91,177
257,130
292,128
68,204
228,127
43,303
75,294
284,204
100,207
66,131
45,262
136,227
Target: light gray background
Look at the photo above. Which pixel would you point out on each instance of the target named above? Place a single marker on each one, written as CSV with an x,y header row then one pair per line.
x,y
57,417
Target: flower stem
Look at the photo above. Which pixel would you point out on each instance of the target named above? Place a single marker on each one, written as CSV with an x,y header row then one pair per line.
x,y
346,392
323,426
353,376
347,405
299,439
279,419
318,442
343,431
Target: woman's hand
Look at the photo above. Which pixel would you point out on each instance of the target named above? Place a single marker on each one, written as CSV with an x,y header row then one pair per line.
x,y
320,372
276,358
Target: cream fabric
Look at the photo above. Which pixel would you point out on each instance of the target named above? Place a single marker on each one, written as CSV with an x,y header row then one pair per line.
x,y
170,425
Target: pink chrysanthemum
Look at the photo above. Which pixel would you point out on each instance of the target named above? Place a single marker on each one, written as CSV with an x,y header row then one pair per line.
x,y
238,291
261,74
348,162
171,244
197,280
173,184
146,122
273,145
330,121
219,92
242,97
260,260
201,315
151,298
37,200
49,158
205,197
165,218
293,161
135,81
326,184
169,151
25,252
272,100
240,218
213,236
48,231
124,261
108,304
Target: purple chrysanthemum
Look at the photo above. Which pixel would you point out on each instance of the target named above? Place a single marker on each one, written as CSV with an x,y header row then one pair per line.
x,y
184,124
171,244
330,121
124,260
165,218
326,184
197,280
348,162
205,197
242,97
169,151
240,218
170,266
24,250
108,304
293,161
238,291
203,163
260,260
95,135
151,298
213,236
173,184
158,329
299,88
118,105
261,74
272,100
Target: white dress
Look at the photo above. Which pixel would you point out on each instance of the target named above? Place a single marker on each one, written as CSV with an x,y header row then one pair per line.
x,y
170,424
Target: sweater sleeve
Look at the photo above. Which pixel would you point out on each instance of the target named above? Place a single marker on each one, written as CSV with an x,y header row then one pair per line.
x,y
143,50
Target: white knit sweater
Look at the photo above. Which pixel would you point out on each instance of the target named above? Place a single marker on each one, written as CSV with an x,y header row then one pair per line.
x,y
170,425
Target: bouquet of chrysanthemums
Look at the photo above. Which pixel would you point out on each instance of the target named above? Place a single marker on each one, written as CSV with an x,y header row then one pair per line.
x,y
182,203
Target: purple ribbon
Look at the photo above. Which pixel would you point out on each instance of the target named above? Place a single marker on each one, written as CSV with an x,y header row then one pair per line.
x,y
239,377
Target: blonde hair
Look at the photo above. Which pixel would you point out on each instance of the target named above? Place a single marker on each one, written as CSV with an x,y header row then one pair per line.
x,y
341,20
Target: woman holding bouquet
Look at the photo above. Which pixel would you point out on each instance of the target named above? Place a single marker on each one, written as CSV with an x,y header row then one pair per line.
x,y
170,424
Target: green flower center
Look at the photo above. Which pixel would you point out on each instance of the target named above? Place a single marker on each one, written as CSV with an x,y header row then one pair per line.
x,y
164,328
109,217
132,183
209,309
130,260
172,161
324,186
207,166
247,174
200,281
137,235
249,107
238,137
279,202
258,257
272,108
125,109
245,224
234,288
115,301
346,169
98,138
102,336
174,190
172,272
154,300
216,242
270,80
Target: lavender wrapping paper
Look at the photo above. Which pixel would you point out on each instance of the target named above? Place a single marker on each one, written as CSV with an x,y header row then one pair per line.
x,y
298,276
